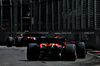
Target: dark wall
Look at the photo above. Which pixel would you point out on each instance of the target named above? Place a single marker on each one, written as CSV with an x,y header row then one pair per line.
x,y
92,39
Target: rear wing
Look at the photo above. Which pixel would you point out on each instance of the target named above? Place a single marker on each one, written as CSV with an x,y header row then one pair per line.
x,y
49,40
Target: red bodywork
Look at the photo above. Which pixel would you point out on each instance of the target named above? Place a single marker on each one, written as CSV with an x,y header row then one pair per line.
x,y
51,44
56,44
30,37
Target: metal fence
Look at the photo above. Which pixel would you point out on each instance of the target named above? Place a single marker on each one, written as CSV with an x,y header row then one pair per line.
x,y
49,15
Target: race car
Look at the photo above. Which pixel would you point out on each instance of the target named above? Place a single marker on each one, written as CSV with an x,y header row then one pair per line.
x,y
13,39
52,48
55,48
25,39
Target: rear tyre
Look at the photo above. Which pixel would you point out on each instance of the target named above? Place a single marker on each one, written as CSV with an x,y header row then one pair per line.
x,y
33,51
80,49
18,42
69,52
9,41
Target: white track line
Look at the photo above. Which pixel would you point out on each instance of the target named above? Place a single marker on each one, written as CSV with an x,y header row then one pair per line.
x,y
93,52
94,55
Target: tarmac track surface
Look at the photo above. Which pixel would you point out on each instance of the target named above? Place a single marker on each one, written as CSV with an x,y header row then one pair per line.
x,y
16,56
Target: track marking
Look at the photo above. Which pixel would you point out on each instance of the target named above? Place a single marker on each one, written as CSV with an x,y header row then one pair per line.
x,y
95,53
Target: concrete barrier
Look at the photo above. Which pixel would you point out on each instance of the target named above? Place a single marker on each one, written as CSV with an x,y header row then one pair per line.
x,y
3,37
91,38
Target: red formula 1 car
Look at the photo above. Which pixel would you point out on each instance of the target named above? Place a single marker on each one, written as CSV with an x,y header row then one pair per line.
x,y
55,48
52,48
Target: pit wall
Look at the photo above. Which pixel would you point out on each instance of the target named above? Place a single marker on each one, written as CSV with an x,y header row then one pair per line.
x,y
92,39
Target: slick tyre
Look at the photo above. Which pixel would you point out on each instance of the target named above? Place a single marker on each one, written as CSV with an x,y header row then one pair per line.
x,y
80,49
18,42
33,51
69,52
9,41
